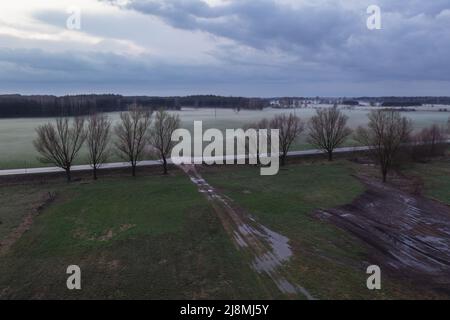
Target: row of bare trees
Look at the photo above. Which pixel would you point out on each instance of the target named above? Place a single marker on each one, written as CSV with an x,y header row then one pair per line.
x,y
327,130
429,142
136,133
386,135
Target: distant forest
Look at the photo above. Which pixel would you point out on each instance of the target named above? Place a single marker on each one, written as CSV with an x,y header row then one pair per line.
x,y
51,106
15,105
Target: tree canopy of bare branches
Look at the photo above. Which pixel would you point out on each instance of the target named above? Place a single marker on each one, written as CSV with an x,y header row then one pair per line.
x,y
290,128
132,135
328,130
386,132
60,143
429,142
97,137
161,134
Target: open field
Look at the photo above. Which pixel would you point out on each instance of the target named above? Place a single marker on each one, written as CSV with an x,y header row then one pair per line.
x,y
328,261
16,135
131,239
158,237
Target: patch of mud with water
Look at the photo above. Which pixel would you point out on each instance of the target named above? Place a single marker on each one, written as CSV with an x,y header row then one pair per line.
x,y
407,234
270,250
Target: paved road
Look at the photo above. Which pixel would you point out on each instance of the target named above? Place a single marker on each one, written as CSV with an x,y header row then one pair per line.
x,y
117,165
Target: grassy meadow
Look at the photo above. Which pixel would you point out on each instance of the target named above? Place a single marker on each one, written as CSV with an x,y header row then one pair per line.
x,y
327,261
156,237
150,238
435,176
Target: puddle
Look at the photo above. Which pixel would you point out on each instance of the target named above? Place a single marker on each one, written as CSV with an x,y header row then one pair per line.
x,y
270,250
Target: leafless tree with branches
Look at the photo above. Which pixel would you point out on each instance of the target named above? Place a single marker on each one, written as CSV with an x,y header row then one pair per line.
x,y
60,143
161,134
429,142
386,132
290,128
98,136
328,130
132,135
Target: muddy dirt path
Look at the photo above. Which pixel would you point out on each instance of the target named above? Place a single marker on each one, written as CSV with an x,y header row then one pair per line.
x,y
407,234
25,225
268,249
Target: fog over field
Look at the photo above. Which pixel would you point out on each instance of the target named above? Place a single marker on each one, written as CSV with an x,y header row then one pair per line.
x,y
17,135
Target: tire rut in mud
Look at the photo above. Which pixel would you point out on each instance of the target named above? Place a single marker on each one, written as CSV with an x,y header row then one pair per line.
x,y
268,249
407,234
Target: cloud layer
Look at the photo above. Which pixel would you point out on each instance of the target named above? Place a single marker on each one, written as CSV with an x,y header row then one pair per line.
x,y
236,47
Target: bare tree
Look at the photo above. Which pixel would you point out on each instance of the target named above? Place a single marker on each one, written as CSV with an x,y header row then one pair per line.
x,y
60,143
161,134
290,128
429,142
97,136
386,132
132,135
435,137
328,130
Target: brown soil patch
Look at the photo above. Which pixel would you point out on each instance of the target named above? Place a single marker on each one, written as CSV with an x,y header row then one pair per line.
x,y
108,236
407,235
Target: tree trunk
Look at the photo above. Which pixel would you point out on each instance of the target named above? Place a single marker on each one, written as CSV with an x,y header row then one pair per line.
x,y
95,172
165,165
283,159
330,155
68,175
133,170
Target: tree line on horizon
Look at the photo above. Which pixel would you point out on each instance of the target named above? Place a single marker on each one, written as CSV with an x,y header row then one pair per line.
x,y
76,105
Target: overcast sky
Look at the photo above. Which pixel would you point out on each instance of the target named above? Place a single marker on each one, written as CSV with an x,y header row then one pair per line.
x,y
227,47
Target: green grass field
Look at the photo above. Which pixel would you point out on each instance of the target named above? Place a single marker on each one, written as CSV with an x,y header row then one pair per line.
x,y
436,178
151,237
157,237
327,261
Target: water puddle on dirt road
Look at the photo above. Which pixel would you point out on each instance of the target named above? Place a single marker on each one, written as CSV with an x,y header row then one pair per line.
x,y
270,250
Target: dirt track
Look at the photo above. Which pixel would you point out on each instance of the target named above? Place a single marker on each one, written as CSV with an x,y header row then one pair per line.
x,y
407,235
25,225
268,249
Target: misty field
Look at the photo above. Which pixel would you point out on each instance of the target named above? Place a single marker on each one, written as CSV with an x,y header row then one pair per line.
x,y
16,135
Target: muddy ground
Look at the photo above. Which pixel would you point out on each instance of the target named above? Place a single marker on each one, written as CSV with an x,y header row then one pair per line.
x,y
268,250
407,234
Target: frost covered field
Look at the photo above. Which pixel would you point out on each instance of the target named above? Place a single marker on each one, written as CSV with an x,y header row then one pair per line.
x,y
16,135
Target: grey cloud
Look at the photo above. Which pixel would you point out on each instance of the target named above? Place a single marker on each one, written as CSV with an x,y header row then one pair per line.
x,y
260,47
414,43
